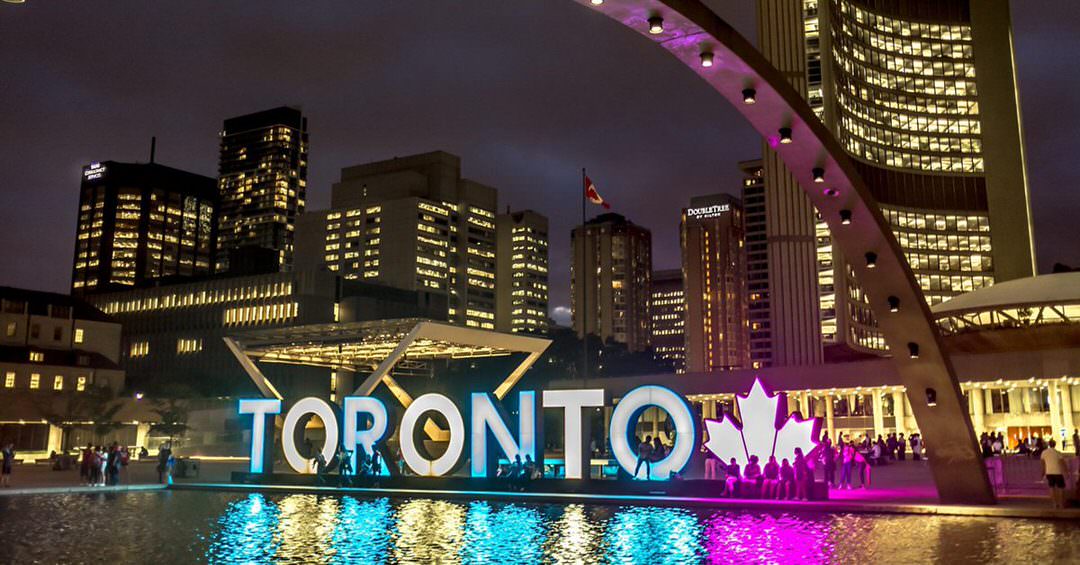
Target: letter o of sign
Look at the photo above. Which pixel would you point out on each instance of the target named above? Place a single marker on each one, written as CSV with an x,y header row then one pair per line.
x,y
635,402
303,407
416,461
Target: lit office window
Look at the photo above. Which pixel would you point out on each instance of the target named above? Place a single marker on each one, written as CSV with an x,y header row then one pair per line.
x,y
79,335
35,380
37,356
9,379
80,384
58,382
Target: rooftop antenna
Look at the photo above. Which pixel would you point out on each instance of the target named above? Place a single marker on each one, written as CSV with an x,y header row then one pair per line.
x,y
153,148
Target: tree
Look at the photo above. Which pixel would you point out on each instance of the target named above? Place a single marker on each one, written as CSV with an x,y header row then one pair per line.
x,y
172,411
70,408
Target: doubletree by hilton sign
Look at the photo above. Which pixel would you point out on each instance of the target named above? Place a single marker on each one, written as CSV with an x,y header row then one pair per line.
x,y
363,421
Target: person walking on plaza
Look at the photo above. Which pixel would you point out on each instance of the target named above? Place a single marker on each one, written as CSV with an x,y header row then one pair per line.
x,y
85,464
112,465
644,453
847,460
901,448
828,457
8,463
1054,469
1076,441
997,445
890,446
163,456
915,455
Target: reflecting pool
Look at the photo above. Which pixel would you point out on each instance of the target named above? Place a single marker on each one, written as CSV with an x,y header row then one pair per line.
x,y
188,526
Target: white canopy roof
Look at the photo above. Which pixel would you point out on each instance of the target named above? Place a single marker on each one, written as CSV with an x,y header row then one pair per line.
x,y
1058,288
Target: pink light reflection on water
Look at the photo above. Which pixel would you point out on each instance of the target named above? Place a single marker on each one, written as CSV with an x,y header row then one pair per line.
x,y
766,538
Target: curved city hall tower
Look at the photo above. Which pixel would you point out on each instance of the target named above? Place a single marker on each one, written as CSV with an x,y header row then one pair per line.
x,y
922,93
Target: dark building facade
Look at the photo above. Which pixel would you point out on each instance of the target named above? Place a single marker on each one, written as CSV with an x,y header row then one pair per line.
x,y
714,282
667,309
521,282
610,299
411,223
922,94
757,264
140,223
262,182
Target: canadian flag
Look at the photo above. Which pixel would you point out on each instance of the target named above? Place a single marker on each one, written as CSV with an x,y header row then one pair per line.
x,y
592,195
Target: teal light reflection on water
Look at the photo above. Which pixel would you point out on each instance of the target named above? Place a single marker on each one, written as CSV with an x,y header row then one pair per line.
x,y
507,534
246,532
362,530
653,535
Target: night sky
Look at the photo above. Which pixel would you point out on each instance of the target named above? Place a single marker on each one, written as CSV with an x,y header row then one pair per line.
x,y
527,92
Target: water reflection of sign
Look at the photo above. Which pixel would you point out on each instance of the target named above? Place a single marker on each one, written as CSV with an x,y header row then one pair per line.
x,y
94,171
708,211
364,421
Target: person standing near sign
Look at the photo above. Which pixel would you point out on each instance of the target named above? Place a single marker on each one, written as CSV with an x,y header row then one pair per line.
x,y
1054,470
644,453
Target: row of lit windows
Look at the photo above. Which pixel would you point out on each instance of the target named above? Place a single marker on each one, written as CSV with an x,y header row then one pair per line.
x,y
912,32
265,314
906,160
34,382
204,297
185,345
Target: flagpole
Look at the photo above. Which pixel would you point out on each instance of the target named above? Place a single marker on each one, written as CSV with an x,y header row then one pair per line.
x,y
584,289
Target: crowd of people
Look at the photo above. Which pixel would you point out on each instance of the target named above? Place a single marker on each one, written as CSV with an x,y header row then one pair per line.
x,y
996,445
102,466
841,463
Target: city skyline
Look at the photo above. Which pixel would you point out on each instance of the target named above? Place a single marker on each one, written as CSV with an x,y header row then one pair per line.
x,y
632,154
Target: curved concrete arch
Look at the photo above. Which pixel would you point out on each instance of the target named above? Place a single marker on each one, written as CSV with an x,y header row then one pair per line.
x,y
691,29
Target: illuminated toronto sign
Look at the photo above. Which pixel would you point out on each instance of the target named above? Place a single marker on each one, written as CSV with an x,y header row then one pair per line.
x,y
487,433
491,433
708,211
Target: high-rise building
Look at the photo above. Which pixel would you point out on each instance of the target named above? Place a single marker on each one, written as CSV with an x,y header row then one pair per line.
x,y
412,223
610,298
714,281
757,264
521,283
262,181
794,318
667,308
922,94
140,223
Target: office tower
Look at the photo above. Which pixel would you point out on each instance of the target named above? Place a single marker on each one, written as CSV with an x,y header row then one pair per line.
x,y
922,95
412,223
521,283
714,280
616,255
757,264
667,308
140,223
262,181
794,318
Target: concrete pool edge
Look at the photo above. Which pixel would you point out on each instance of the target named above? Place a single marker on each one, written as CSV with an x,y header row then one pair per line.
x,y
827,507
80,489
